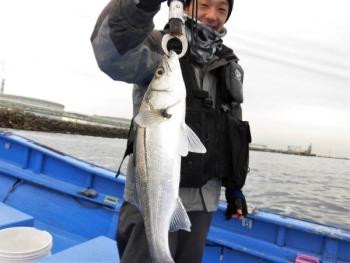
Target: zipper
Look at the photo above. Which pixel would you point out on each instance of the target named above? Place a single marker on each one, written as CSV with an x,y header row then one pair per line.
x,y
218,116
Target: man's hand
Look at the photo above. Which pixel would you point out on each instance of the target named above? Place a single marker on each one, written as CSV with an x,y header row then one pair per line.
x,y
236,204
149,5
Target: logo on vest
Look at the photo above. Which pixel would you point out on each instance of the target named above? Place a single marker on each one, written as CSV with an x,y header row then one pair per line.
x,y
238,75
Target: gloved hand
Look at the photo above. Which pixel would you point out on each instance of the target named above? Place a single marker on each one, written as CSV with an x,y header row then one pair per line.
x,y
149,5
235,200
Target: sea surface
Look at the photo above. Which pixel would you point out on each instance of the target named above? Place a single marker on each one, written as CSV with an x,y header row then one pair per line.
x,y
312,188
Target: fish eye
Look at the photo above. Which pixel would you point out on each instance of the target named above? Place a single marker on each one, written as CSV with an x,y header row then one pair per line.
x,y
159,72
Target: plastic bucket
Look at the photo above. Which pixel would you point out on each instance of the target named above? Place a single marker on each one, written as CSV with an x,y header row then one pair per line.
x,y
24,244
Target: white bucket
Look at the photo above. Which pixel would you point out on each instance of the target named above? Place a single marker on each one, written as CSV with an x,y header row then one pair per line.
x,y
24,244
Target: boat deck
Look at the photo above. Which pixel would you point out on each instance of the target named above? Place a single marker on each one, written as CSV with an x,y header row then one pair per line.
x,y
67,247
40,187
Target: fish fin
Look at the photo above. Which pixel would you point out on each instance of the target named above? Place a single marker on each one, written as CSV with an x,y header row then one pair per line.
x,y
182,146
180,218
194,143
149,118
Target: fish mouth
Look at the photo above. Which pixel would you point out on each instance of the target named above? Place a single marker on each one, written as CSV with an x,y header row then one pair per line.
x,y
166,63
170,60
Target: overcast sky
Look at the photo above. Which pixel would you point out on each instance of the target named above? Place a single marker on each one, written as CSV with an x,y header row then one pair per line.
x,y
295,54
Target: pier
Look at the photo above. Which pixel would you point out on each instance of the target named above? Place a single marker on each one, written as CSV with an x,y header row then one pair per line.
x,y
295,150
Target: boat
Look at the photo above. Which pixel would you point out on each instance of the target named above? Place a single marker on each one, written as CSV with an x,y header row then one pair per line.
x,y
78,204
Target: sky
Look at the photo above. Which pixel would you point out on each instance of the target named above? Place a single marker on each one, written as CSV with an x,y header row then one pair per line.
x,y
295,55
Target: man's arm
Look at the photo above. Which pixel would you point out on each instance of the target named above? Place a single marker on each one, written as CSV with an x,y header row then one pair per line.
x,y
236,202
124,43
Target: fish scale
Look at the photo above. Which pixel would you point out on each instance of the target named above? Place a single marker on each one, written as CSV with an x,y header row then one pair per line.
x,y
162,137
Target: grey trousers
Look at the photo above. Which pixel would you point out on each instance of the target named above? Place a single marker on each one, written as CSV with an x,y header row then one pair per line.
x,y
184,246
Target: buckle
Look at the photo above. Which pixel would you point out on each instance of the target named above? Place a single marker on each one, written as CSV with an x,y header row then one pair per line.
x,y
208,102
225,108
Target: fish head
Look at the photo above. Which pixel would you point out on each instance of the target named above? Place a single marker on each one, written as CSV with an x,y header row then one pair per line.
x,y
167,85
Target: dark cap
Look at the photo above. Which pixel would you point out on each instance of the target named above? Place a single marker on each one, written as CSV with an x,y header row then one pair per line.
x,y
230,6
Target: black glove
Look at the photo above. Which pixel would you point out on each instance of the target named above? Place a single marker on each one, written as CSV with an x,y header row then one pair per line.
x,y
149,5
235,200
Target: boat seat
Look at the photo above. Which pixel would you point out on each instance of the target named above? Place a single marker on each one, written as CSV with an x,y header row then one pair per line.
x,y
101,249
11,217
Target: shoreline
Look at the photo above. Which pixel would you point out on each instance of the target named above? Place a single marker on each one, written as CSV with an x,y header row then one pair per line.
x,y
289,153
18,119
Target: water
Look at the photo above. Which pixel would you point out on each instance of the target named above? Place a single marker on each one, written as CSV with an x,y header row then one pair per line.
x,y
311,188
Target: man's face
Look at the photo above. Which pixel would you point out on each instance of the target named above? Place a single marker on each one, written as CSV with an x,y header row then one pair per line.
x,y
212,13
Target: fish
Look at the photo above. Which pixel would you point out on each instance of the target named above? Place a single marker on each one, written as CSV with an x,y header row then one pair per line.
x,y
162,137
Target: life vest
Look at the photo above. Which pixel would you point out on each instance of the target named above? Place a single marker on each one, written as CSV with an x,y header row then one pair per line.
x,y
226,138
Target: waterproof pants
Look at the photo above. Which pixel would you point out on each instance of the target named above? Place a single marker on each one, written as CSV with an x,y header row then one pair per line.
x,y
185,247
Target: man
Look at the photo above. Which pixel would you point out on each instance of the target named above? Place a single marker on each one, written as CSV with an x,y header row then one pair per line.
x,y
127,48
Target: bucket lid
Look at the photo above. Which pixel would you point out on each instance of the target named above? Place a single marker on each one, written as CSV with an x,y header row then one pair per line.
x,y
24,242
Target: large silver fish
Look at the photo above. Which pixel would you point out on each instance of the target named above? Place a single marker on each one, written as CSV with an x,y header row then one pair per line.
x,y
162,137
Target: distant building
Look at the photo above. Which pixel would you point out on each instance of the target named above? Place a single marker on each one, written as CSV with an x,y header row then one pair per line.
x,y
56,111
38,107
2,86
294,149
309,150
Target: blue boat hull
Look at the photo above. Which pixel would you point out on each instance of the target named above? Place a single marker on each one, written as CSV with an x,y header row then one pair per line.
x,y
40,187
